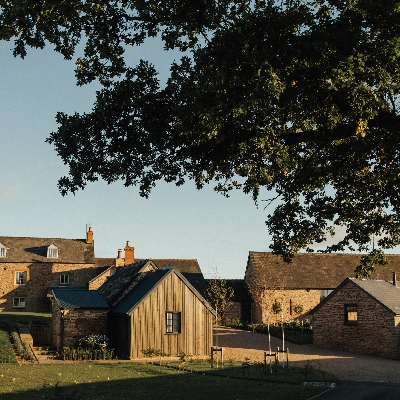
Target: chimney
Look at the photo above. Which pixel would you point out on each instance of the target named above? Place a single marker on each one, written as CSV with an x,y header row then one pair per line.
x,y
394,279
89,236
119,253
129,254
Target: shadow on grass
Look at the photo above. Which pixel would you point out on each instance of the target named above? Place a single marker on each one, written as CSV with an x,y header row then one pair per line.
x,y
135,381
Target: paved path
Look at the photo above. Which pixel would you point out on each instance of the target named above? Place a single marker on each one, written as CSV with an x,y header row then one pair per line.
x,y
346,366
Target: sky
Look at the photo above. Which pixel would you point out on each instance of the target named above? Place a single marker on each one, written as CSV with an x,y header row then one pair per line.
x,y
175,222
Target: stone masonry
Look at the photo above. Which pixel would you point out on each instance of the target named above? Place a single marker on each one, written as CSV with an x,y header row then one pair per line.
x,y
376,331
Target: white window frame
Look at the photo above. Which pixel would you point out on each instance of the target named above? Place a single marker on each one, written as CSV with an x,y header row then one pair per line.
x,y
20,278
52,251
3,250
64,279
19,302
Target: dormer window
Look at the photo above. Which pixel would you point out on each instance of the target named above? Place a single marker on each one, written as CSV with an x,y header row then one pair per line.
x,y
3,250
52,251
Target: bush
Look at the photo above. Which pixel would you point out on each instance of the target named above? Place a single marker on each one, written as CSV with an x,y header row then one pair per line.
x,y
91,347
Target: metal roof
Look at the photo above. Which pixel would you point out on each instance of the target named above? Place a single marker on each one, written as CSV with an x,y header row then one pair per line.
x,y
79,299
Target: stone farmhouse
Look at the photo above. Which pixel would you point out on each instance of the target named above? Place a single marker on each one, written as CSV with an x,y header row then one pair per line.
x,y
139,303
360,316
31,267
297,287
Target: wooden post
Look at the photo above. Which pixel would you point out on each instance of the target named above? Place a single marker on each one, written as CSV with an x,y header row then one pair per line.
x,y
287,357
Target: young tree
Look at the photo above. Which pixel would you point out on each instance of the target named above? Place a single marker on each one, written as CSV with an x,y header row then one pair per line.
x,y
299,97
219,295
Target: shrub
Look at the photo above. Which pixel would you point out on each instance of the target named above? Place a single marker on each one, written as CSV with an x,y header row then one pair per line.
x,y
91,347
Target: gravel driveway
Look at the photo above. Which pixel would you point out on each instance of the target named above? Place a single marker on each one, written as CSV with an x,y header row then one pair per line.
x,y
239,344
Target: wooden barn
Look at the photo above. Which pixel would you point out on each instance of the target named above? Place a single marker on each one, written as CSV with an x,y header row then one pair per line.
x,y
156,308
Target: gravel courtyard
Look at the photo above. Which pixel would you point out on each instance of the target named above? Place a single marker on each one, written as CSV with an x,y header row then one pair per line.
x,y
239,344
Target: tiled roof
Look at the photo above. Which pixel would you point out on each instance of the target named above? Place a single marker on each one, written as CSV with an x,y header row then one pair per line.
x,y
382,291
75,298
124,278
385,292
28,249
141,291
189,268
146,285
104,262
312,270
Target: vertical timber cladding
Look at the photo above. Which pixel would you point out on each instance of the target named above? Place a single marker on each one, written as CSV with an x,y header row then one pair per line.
x,y
148,321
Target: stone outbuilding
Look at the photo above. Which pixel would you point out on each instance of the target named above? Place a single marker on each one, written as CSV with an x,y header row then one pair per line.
x,y
360,316
297,287
76,314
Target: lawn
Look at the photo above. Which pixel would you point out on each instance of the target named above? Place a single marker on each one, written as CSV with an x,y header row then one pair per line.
x,y
24,317
126,380
129,380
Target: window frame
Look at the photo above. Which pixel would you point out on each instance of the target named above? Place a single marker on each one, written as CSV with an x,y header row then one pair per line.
x,y
52,251
18,281
64,279
173,322
19,301
3,251
351,314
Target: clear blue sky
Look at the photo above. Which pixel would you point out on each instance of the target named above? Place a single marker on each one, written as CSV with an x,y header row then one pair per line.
x,y
174,223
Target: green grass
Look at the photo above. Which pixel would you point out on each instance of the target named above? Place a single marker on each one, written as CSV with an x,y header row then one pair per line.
x,y
257,371
134,381
6,351
24,317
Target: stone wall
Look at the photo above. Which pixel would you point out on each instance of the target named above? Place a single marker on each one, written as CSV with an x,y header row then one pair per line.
x,y
238,310
95,283
71,325
289,300
39,277
375,332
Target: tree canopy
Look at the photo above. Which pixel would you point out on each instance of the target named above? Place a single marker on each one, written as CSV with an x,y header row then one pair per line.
x,y
299,97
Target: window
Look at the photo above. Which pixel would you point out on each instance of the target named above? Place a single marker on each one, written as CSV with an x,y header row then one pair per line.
x,y
19,302
350,314
3,250
20,277
173,322
64,279
52,251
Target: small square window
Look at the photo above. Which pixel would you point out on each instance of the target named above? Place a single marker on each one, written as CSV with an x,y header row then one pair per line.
x,y
20,277
19,302
350,314
173,322
64,279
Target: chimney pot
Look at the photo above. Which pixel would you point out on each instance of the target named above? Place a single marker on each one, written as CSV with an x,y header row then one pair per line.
x,y
119,253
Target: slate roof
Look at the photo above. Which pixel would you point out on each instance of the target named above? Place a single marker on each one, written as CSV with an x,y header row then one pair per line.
x,y
82,299
189,268
382,291
146,285
30,250
122,281
312,270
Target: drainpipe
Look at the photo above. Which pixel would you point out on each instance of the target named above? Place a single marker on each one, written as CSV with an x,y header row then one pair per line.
x,y
394,279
